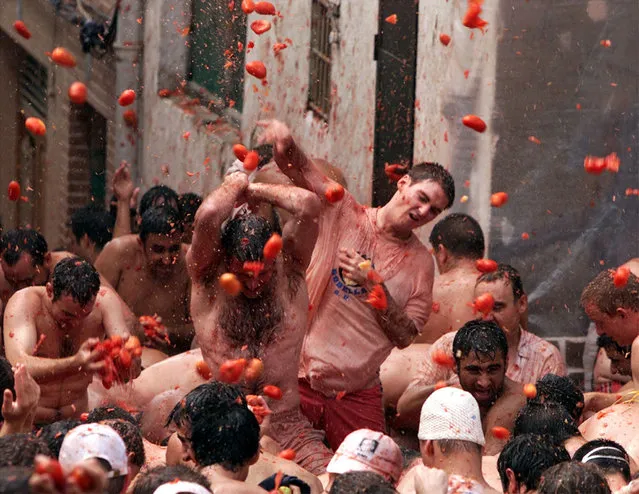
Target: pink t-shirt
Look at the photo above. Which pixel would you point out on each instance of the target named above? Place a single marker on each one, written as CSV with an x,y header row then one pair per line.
x,y
345,345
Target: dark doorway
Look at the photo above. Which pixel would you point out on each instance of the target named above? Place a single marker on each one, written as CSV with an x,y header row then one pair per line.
x,y
396,55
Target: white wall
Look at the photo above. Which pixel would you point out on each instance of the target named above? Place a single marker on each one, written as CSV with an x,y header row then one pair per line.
x,y
347,140
444,95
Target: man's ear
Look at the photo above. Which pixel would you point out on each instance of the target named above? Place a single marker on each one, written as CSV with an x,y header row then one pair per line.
x,y
522,304
49,288
621,312
513,486
85,241
403,182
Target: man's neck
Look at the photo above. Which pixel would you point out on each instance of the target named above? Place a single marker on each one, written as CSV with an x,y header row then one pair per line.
x,y
219,472
467,465
459,264
385,224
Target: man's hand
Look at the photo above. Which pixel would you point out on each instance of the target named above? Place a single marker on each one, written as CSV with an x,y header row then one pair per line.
x,y
89,358
123,186
279,135
351,264
18,414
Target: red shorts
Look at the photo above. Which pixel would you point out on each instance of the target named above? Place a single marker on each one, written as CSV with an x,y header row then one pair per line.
x,y
338,418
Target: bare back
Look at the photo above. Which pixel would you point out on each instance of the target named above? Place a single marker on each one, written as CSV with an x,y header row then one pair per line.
x,y
453,295
122,263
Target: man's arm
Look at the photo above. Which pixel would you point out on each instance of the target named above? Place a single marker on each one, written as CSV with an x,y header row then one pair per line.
x,y
291,159
300,231
108,263
20,336
205,249
125,193
18,413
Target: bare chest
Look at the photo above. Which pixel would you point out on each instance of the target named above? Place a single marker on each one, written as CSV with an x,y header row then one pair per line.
x,y
146,295
55,341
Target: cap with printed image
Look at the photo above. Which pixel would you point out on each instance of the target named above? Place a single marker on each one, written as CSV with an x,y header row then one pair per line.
x,y
451,413
369,451
94,441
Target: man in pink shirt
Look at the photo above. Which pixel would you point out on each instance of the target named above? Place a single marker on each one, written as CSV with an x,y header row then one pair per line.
x,y
347,339
529,356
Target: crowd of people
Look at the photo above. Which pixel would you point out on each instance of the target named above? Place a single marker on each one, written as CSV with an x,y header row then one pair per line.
x,y
279,336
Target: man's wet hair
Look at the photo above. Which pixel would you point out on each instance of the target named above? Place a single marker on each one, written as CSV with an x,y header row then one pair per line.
x,y
206,396
227,435
6,379
132,437
244,236
147,482
189,204
561,390
437,173
508,275
605,341
461,234
603,293
15,242
528,456
110,412
95,222
609,456
572,477
75,277
21,449
161,220
15,479
53,434
159,192
548,419
483,338
361,483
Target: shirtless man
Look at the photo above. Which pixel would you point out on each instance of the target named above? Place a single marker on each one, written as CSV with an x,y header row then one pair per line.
x,y
268,318
529,356
615,312
149,272
52,330
25,261
348,339
480,352
458,242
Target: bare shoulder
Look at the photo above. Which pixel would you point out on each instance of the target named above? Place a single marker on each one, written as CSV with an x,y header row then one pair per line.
x,y
123,245
25,299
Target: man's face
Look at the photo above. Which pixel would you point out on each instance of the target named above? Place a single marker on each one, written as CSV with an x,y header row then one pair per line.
x,y
80,247
619,361
184,435
622,327
419,203
252,286
483,377
162,253
68,312
24,273
507,311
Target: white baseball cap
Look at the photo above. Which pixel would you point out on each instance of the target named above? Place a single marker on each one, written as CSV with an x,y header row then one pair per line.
x,y
369,451
451,413
94,441
181,487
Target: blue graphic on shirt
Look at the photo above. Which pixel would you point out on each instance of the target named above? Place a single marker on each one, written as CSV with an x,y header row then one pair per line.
x,y
345,287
